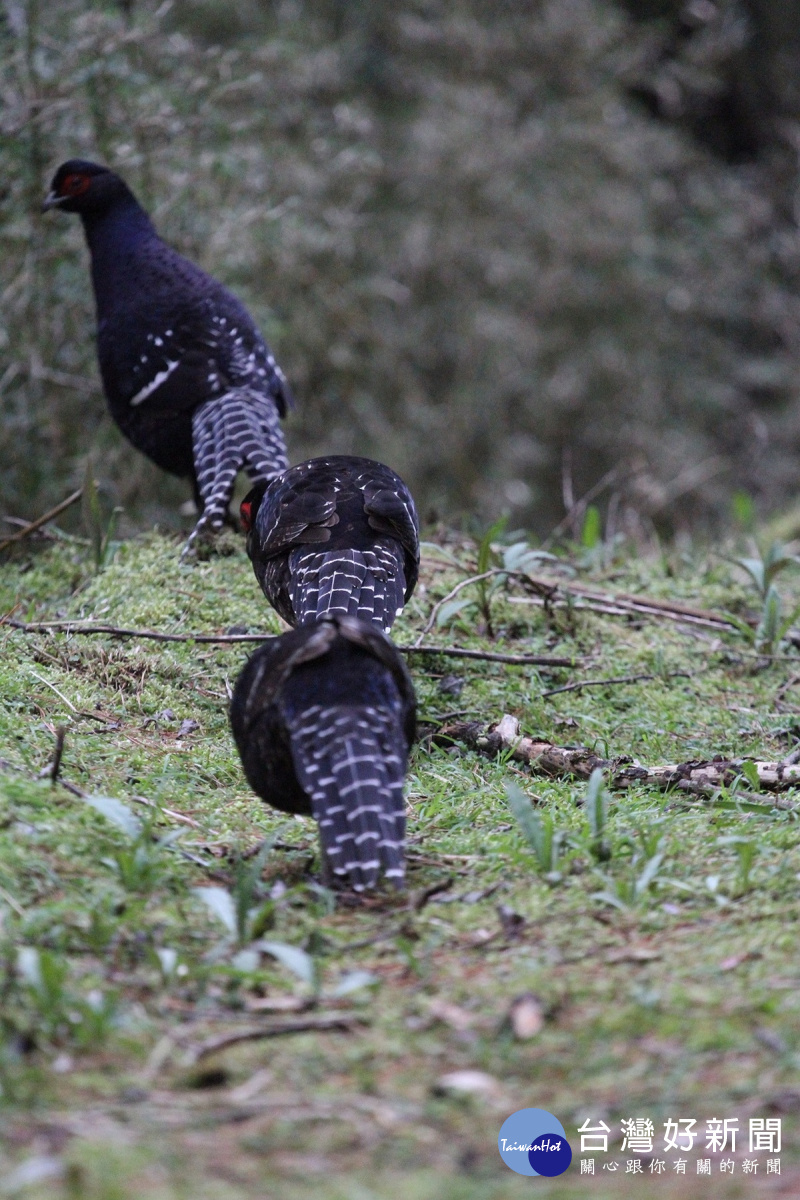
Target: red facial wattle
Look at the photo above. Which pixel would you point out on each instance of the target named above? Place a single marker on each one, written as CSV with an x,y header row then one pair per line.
x,y
74,185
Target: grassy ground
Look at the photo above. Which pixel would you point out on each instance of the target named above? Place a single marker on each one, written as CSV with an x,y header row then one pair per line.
x,y
659,972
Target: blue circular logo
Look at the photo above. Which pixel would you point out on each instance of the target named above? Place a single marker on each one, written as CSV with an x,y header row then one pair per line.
x,y
533,1142
550,1154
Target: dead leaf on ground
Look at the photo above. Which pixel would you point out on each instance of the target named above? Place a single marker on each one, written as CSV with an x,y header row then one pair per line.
x,y
633,954
467,1083
736,960
526,1016
451,1014
481,937
277,1004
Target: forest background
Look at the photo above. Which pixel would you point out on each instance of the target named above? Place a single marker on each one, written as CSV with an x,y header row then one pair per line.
x,y
518,250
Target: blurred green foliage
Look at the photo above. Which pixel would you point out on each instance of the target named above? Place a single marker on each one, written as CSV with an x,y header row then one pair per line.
x,y
476,252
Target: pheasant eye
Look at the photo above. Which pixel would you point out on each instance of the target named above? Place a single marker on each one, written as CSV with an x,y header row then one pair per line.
x,y
246,513
75,185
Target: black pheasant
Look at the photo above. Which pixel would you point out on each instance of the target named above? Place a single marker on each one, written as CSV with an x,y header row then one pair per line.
x,y
337,534
323,718
188,377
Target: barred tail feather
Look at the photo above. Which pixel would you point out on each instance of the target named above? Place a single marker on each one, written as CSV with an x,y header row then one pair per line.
x,y
351,762
237,431
356,583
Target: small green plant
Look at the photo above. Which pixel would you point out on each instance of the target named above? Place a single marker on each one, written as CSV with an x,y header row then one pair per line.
x,y
44,977
61,1014
243,922
519,556
139,861
592,530
632,887
597,816
750,773
99,529
633,884
244,910
102,924
245,913
492,572
772,626
254,914
486,585
540,832
743,509
746,852
765,569
648,841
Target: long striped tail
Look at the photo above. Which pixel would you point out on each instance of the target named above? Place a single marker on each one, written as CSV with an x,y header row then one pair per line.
x,y
238,431
351,762
358,583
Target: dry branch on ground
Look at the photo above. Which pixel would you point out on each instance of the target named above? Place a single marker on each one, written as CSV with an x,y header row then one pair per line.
x,y
223,639
578,762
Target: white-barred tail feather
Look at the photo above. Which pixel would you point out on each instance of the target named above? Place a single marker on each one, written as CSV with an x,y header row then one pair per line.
x,y
350,762
359,583
239,430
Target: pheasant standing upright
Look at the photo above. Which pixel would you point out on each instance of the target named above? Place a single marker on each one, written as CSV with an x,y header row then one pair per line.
x,y
188,377
337,534
323,718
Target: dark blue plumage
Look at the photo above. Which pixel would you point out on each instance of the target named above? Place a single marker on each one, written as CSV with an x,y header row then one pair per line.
x,y
323,718
188,378
337,534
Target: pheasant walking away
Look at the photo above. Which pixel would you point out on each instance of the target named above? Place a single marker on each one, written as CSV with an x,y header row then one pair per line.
x,y
337,534
323,718
188,377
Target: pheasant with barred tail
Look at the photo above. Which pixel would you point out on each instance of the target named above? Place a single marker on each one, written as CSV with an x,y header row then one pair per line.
x,y
334,535
188,377
323,718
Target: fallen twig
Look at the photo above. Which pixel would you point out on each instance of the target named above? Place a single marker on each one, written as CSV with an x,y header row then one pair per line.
x,y
211,871
73,788
73,627
222,639
594,598
168,812
440,858
624,602
587,683
37,524
578,762
53,688
296,847
610,601
533,660
55,766
344,1021
418,900
453,592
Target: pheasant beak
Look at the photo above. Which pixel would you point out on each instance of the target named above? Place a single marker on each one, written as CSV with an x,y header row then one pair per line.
x,y
52,200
